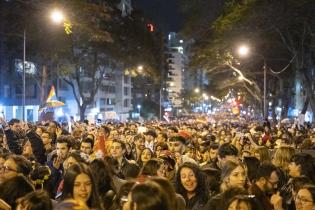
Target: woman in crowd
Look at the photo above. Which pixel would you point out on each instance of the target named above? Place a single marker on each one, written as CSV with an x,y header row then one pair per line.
x,y
232,176
103,176
191,184
79,184
122,196
145,155
177,202
147,196
154,167
305,198
302,165
262,154
282,157
14,165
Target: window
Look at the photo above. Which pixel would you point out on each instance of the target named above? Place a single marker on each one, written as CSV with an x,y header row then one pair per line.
x,y
110,101
102,102
126,91
126,103
6,91
126,79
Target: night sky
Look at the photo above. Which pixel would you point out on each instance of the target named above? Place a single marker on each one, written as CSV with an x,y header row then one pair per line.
x,y
164,13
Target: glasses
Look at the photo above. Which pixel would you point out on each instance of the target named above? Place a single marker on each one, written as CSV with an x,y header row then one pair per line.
x,y
302,200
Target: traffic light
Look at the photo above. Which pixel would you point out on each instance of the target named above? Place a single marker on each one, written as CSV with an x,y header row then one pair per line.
x,y
150,27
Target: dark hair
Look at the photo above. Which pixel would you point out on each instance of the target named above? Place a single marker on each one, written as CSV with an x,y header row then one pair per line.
x,y
23,165
305,161
39,176
239,195
201,189
37,147
149,196
178,138
251,163
37,200
14,188
132,171
122,194
173,129
163,146
138,137
214,146
69,179
89,141
164,135
122,144
227,149
13,121
65,139
151,167
106,129
103,176
265,170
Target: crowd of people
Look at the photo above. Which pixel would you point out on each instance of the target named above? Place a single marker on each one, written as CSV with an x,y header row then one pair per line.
x,y
183,165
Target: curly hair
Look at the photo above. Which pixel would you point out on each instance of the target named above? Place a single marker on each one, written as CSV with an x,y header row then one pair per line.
x,y
201,189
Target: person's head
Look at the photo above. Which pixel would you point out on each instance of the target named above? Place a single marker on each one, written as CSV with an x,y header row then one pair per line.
x,y
73,157
161,137
139,141
305,198
242,202
15,125
251,164
177,144
172,131
37,200
213,151
46,138
63,146
79,184
282,157
87,146
33,147
267,178
233,175
118,149
14,165
227,152
40,176
150,135
160,147
147,196
145,155
102,173
301,164
153,167
104,130
168,188
14,188
190,180
262,154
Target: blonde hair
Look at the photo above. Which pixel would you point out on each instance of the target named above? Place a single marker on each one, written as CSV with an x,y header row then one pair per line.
x,y
264,155
282,157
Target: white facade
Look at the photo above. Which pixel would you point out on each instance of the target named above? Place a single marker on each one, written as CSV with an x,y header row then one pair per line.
x,y
111,102
175,76
125,7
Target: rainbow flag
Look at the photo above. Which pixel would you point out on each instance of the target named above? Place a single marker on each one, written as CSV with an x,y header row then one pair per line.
x,y
51,94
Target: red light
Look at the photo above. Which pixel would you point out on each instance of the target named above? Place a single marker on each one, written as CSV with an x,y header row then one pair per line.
x,y
150,27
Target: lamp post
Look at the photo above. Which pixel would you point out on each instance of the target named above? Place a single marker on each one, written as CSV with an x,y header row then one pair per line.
x,y
139,109
244,51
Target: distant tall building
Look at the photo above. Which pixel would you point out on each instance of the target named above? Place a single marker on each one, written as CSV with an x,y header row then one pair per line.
x,y
175,75
126,7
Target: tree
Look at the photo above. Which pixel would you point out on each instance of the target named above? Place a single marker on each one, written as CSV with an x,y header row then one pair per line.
x,y
279,30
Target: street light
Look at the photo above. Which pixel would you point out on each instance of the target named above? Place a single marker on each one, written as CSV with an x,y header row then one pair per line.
x,y
244,51
197,90
139,108
57,16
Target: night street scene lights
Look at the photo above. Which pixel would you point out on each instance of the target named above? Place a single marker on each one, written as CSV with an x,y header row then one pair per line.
x,y
57,16
244,51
